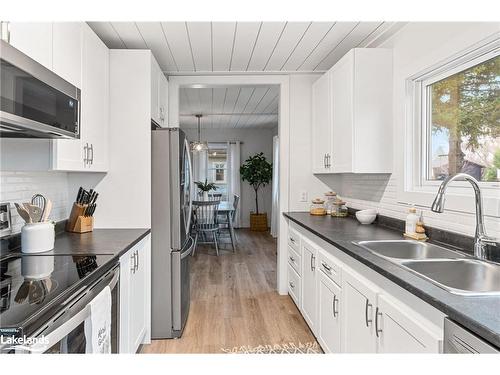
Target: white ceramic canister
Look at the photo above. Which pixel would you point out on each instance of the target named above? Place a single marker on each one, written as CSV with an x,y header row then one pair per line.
x,y
37,237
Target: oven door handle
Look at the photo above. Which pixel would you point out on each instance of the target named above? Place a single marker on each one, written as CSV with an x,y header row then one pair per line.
x,y
75,314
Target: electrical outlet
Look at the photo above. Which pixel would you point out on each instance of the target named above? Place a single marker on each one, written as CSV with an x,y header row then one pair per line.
x,y
303,196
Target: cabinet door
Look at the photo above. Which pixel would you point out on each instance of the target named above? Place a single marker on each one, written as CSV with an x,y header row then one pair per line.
x,y
138,298
34,39
67,51
342,114
135,297
401,330
329,316
358,308
95,101
321,125
309,289
126,269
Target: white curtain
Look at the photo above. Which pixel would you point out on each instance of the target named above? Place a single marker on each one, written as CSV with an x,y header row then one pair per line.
x,y
275,184
234,178
200,167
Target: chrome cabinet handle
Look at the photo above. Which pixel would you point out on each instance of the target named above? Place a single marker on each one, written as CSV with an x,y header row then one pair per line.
x,y
327,268
292,259
132,267
367,321
137,255
292,285
313,258
291,239
328,160
92,153
377,314
86,153
334,306
324,160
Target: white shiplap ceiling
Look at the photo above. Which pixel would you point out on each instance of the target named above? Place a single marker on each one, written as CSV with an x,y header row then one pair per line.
x,y
229,107
187,47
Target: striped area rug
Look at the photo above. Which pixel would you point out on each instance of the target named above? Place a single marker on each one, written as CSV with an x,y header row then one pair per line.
x,y
290,348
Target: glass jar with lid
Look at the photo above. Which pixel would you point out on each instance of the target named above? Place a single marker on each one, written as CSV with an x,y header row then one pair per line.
x,y
317,207
330,198
339,208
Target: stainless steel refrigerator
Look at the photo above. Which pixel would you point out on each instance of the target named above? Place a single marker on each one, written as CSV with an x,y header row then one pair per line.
x,y
170,230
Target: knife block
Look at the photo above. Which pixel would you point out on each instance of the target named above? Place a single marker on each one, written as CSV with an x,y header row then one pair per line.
x,y
77,222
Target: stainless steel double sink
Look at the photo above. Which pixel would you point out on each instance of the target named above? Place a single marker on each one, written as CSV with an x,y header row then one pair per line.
x,y
451,270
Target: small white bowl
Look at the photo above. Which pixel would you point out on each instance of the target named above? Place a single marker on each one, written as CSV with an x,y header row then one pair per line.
x,y
365,218
370,211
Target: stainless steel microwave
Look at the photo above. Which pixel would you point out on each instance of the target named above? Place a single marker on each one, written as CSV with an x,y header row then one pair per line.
x,y
34,101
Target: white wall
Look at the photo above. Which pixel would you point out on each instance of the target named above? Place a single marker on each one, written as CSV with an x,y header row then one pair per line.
x,y
300,162
125,191
18,187
416,47
254,141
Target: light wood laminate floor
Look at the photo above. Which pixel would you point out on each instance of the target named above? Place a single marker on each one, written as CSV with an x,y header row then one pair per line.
x,y
234,301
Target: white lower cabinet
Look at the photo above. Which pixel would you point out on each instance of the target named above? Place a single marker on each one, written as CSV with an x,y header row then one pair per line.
x,y
350,313
329,314
135,297
399,330
359,301
294,284
309,287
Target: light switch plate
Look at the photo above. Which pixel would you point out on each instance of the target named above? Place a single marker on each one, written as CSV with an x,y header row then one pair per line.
x,y
303,196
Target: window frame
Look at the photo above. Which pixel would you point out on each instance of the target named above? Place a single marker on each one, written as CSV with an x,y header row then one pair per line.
x,y
416,188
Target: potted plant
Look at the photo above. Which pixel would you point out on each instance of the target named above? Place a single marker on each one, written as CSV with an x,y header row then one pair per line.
x,y
258,172
204,188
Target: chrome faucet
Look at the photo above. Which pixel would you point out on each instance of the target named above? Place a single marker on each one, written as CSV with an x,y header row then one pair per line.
x,y
480,238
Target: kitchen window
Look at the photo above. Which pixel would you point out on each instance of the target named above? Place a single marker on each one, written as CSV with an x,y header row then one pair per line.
x,y
452,125
217,167
462,123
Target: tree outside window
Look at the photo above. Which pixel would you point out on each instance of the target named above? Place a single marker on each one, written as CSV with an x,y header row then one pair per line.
x,y
465,123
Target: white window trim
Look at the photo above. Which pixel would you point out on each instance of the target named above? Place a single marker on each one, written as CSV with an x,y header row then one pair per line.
x,y
415,188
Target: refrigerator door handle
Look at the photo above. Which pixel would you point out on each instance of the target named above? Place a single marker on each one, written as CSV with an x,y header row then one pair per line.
x,y
191,183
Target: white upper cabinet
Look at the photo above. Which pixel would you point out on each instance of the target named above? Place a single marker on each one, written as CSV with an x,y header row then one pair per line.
x,y
90,152
67,51
357,123
34,39
159,94
322,129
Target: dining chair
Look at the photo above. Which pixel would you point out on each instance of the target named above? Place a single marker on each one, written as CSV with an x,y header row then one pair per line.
x,y
224,224
205,222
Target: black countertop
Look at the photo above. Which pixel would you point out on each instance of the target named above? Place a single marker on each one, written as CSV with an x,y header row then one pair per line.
x,y
98,242
479,314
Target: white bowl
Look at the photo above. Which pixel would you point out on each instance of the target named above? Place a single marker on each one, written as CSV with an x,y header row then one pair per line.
x,y
370,211
365,218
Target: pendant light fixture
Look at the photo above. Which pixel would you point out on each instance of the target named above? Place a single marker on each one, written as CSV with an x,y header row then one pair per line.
x,y
198,146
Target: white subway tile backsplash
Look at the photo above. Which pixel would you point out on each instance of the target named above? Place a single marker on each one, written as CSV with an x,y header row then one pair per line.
x,y
362,191
18,187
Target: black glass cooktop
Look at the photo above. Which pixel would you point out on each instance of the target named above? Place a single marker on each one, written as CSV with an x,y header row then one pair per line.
x,y
32,283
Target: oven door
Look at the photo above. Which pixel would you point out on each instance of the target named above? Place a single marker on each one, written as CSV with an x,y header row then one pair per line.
x,y
65,332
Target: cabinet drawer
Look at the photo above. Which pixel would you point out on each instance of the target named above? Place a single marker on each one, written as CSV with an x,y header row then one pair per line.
x,y
294,259
294,239
294,285
329,267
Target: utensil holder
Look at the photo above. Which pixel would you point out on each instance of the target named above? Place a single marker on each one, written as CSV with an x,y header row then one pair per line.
x,y
77,222
37,237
